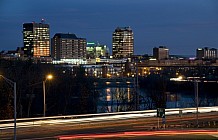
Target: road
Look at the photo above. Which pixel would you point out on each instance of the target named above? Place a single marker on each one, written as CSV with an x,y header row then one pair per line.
x,y
129,128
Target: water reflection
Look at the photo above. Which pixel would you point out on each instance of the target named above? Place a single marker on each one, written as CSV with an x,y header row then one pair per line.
x,y
119,96
115,99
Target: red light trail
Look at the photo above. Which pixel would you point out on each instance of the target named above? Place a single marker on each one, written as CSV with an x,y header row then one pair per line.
x,y
140,133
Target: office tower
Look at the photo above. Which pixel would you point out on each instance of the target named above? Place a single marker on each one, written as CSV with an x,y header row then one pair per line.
x,y
123,42
206,53
36,39
68,46
96,50
161,53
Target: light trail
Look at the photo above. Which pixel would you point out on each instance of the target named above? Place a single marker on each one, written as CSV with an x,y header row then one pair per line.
x,y
78,119
140,133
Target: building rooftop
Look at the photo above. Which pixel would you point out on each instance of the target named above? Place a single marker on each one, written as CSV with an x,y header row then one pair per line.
x,y
64,35
123,29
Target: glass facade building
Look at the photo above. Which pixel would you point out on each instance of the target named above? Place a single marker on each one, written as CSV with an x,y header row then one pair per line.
x,y
96,50
123,42
36,39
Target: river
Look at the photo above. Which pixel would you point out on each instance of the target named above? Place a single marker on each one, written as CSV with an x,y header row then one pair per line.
x,y
121,97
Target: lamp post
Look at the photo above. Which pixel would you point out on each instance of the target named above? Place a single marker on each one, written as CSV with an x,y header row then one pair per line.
x,y
13,84
48,77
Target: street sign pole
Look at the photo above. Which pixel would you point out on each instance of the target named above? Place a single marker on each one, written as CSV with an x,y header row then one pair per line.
x,y
160,114
164,122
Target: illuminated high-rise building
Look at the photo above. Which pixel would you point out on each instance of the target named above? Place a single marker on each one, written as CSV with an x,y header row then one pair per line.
x,y
68,46
36,39
123,42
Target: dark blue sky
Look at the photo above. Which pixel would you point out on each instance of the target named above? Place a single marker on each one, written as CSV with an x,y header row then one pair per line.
x,y
181,25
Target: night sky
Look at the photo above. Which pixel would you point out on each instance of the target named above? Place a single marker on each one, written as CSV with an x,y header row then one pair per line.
x,y
181,25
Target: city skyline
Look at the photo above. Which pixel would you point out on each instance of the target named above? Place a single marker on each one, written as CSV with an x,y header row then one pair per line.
x,y
182,25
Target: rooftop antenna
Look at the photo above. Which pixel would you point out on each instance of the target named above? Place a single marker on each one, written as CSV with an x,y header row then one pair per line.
x,y
42,20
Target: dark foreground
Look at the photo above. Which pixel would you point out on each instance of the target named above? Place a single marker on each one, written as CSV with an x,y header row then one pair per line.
x,y
139,128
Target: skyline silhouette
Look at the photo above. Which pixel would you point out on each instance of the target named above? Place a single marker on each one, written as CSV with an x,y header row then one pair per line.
x,y
181,25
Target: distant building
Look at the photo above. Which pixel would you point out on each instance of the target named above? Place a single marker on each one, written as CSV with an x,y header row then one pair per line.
x,y
12,54
161,53
206,53
36,39
68,46
123,42
106,68
96,50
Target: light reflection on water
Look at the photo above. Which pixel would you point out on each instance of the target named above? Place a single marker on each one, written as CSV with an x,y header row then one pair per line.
x,y
117,99
116,96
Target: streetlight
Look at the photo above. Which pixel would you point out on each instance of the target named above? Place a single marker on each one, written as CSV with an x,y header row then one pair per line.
x,y
48,77
13,84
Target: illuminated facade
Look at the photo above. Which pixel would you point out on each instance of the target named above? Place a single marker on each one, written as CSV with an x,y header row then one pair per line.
x,y
161,53
123,42
206,53
68,46
36,39
95,50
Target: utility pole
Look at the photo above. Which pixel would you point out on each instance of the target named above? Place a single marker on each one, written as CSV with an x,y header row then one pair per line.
x,y
136,87
137,84
15,110
196,99
44,105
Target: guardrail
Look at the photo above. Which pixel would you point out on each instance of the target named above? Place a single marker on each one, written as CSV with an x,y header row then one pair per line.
x,y
28,122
